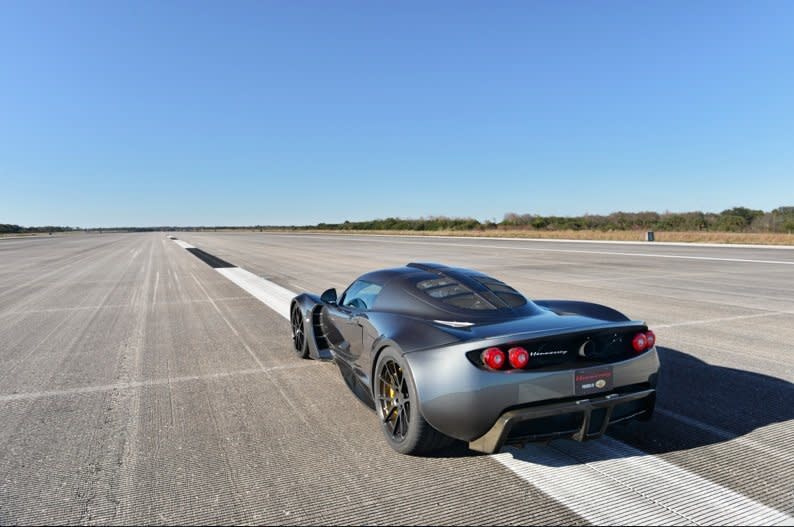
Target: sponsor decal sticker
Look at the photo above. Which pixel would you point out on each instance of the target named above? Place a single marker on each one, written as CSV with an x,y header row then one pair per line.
x,y
592,380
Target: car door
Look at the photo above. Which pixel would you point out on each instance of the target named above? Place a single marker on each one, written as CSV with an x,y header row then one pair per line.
x,y
343,322
344,335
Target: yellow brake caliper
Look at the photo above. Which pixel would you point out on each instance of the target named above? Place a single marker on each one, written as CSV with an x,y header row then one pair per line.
x,y
393,402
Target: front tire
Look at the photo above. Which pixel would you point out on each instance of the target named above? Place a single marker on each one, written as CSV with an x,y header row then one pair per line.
x,y
396,400
300,342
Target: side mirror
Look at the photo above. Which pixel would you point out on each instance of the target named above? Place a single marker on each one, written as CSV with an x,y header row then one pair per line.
x,y
329,296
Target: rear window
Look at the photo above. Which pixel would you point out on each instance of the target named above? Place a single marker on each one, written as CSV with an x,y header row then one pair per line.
x,y
469,301
436,282
507,294
447,290
453,293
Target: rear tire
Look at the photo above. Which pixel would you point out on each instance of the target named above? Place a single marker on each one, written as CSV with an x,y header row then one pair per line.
x,y
300,341
396,400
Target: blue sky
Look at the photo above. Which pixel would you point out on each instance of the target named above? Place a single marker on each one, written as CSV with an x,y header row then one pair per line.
x,y
295,112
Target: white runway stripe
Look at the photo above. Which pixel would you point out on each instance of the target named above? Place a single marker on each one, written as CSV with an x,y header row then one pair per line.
x,y
609,483
723,319
184,245
638,255
144,384
487,247
725,435
273,295
550,240
605,481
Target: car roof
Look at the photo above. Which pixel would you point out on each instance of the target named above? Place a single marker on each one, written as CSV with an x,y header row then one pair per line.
x,y
401,294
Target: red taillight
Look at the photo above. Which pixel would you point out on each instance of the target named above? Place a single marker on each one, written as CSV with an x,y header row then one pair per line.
x,y
518,357
494,358
639,342
650,339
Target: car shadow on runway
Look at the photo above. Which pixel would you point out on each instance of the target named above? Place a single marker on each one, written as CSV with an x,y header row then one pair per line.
x,y
699,404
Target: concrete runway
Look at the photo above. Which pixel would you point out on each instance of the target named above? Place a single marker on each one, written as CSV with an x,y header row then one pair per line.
x,y
138,385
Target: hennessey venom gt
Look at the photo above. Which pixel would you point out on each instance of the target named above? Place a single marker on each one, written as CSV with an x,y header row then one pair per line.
x,y
446,353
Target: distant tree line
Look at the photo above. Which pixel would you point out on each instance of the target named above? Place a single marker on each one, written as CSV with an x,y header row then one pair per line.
x,y
6,228
435,223
737,219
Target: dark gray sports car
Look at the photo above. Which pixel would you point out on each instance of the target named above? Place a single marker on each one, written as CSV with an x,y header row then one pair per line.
x,y
445,353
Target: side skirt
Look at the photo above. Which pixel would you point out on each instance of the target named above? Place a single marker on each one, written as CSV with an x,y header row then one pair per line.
x,y
361,392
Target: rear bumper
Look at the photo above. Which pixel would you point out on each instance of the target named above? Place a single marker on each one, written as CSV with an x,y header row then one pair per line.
x,y
463,401
580,420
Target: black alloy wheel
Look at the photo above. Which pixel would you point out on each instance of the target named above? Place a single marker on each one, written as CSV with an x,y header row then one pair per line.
x,y
299,333
394,400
